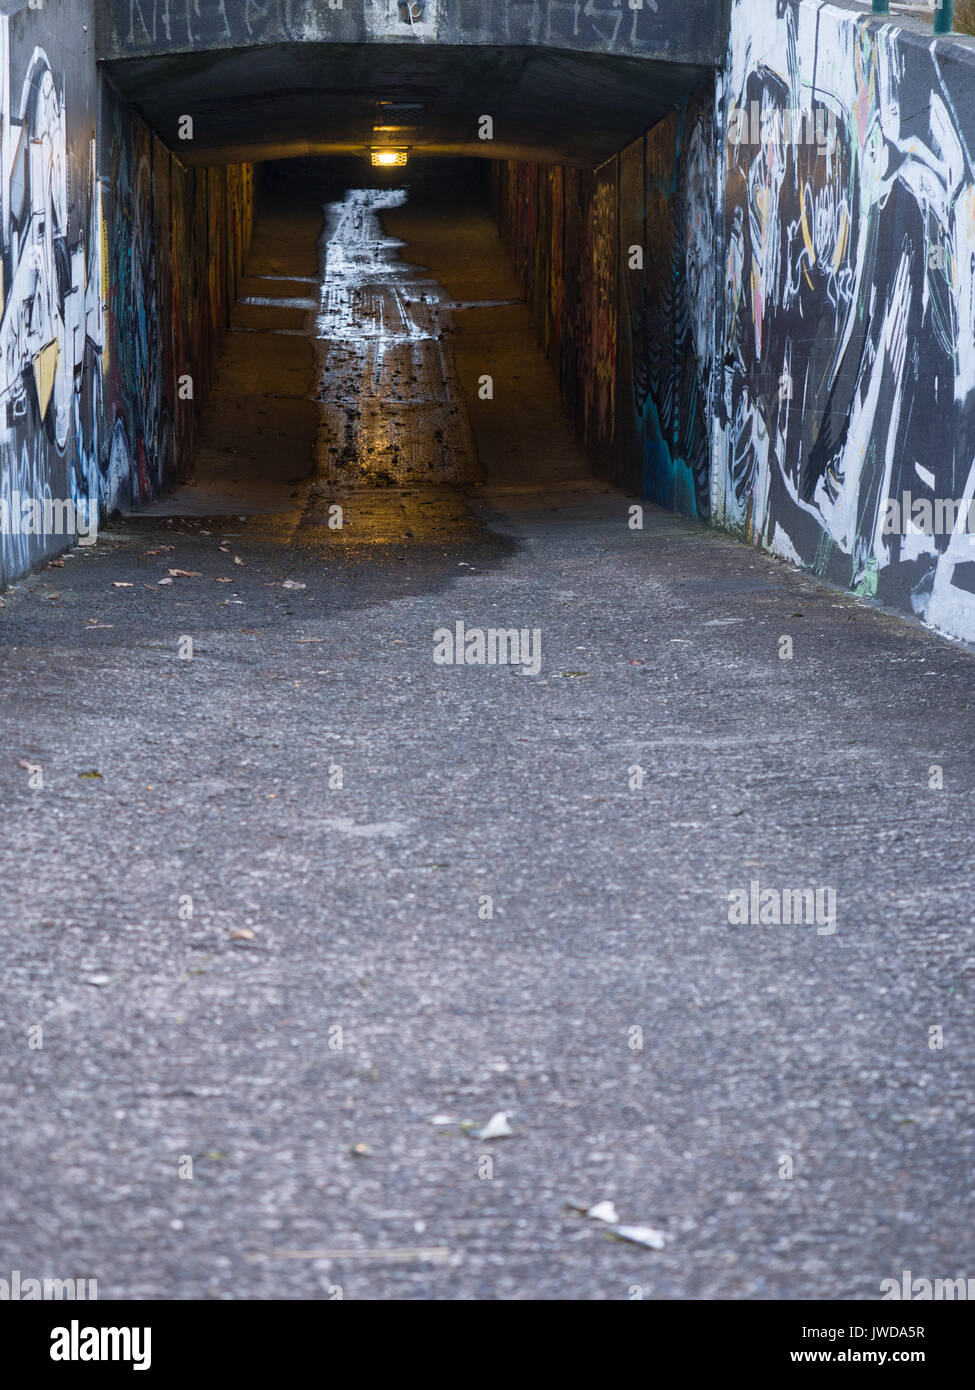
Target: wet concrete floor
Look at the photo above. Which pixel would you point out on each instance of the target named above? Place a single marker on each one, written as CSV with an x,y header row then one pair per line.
x,y
360,386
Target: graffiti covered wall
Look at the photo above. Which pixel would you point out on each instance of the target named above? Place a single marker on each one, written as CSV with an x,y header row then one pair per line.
x,y
848,343
618,267
51,318
664,391
795,357
176,239
117,267
560,226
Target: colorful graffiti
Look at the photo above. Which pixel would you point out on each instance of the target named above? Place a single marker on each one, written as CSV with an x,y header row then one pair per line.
x,y
618,267
669,397
794,357
117,267
51,323
143,408
848,344
176,242
598,319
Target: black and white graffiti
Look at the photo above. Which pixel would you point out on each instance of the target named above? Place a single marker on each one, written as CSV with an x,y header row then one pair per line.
x,y
849,303
51,312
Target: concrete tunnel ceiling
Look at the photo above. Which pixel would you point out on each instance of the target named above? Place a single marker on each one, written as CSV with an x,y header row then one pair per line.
x,y
291,100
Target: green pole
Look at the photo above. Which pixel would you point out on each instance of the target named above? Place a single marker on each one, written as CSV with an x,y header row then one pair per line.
x,y
881,6
944,16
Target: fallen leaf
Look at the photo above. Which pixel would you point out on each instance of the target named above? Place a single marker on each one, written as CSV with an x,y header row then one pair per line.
x,y
165,581
640,1235
603,1211
243,934
92,773
225,581
185,574
98,980
121,584
497,1127
292,584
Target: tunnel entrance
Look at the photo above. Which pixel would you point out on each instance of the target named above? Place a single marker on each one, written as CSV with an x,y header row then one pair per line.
x,y
381,368
371,365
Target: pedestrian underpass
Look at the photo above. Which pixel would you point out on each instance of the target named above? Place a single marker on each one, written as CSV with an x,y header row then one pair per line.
x,y
453,845
750,272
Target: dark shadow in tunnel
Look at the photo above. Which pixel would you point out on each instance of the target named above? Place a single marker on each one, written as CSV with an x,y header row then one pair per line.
x,y
441,181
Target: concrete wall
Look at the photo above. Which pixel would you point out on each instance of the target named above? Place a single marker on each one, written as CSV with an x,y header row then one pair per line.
x,y
95,216
690,31
799,352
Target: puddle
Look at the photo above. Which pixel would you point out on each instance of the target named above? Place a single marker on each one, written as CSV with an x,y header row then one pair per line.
x,y
392,411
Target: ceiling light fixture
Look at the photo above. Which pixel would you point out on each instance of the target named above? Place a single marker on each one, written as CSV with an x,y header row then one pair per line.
x,y
388,158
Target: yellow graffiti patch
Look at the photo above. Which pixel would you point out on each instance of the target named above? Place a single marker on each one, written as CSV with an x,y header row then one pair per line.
x,y
806,234
841,239
103,229
45,366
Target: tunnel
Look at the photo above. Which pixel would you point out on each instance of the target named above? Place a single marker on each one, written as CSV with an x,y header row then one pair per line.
x,y
486,611
416,153
462,127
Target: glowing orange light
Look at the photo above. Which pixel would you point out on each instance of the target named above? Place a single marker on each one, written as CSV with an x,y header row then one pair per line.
x,y
389,159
